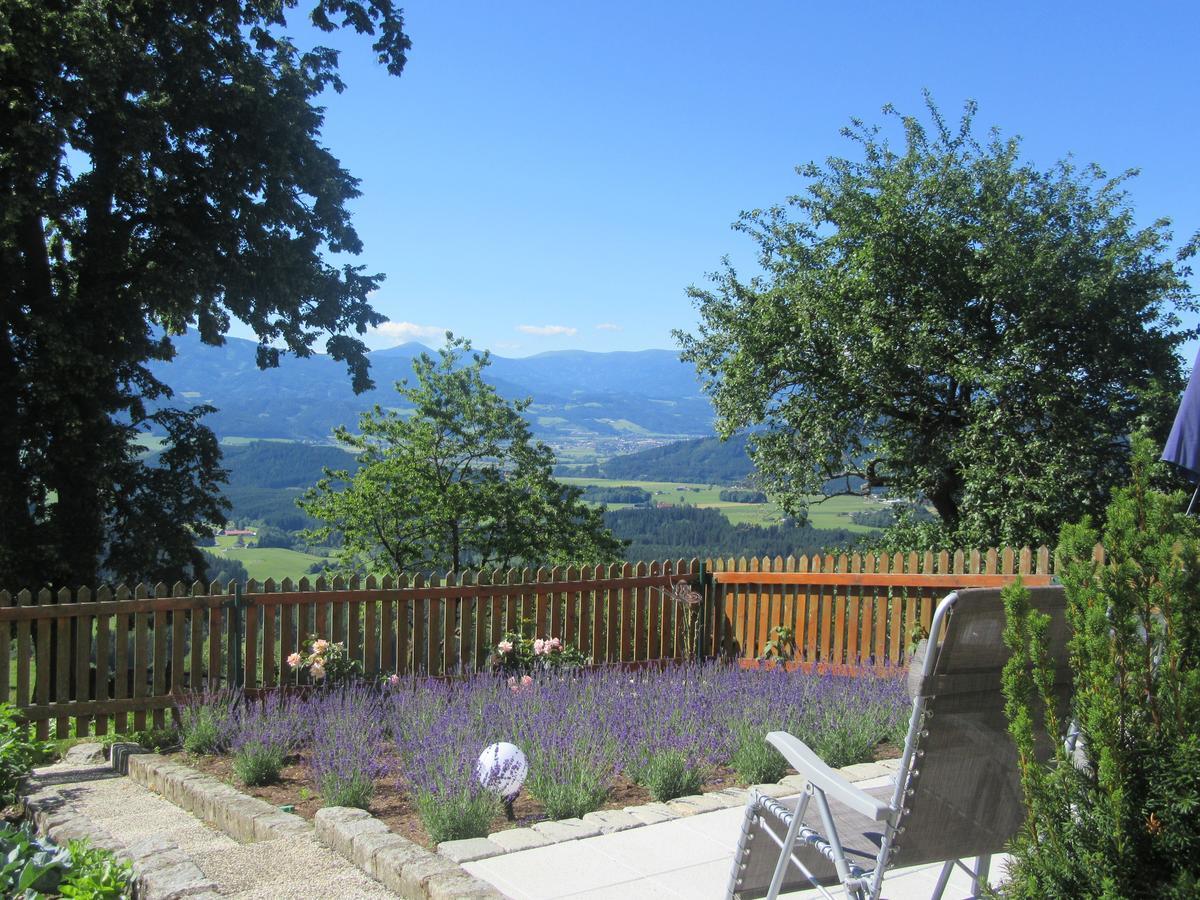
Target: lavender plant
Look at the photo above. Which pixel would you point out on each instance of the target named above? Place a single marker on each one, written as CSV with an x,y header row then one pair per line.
x,y
347,737
671,775
450,799
266,733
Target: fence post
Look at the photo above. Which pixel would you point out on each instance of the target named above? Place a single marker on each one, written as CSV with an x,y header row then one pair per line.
x,y
707,609
237,673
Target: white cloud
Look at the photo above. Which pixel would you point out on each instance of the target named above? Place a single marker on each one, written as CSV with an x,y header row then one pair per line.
x,y
609,326
548,330
409,331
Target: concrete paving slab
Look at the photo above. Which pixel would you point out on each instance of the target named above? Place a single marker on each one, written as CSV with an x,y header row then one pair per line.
x,y
558,870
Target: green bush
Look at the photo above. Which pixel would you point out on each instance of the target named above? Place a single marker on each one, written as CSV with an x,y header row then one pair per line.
x,y
30,865
669,775
456,817
207,723
95,874
583,790
1122,817
19,752
347,789
257,764
756,761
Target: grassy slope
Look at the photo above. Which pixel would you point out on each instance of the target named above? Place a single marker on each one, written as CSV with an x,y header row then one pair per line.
x,y
268,562
833,513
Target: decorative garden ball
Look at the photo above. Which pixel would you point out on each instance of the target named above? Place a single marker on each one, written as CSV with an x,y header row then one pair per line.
x,y
502,768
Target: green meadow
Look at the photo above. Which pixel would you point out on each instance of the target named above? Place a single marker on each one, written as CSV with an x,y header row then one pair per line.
x,y
832,513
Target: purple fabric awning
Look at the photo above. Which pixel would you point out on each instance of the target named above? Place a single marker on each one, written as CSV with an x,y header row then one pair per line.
x,y
1183,445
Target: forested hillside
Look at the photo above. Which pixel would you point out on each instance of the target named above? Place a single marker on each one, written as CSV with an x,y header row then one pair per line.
x,y
686,531
266,477
702,461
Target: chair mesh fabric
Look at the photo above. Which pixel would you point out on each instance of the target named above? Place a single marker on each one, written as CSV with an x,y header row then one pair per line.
x,y
966,795
966,792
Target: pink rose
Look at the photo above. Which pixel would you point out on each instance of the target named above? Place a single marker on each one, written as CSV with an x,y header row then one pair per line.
x,y
320,646
393,680
317,671
294,660
505,647
553,645
540,648
526,680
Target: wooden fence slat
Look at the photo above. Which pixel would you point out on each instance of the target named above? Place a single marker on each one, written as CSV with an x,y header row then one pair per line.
x,y
178,639
853,610
420,662
895,607
121,672
270,640
216,628
160,631
371,631
62,693
24,653
387,630
83,663
482,607
141,658
6,689
250,638
196,617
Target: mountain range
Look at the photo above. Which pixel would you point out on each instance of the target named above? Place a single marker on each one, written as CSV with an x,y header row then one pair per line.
x,y
575,393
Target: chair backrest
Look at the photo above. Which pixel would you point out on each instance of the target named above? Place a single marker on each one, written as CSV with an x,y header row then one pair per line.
x,y
963,794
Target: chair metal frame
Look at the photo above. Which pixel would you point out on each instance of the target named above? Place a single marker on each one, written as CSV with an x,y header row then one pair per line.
x,y
823,782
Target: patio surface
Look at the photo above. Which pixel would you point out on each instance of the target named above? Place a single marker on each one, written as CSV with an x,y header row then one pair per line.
x,y
686,858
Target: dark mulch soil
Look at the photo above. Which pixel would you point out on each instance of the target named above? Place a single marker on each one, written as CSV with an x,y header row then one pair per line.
x,y
392,803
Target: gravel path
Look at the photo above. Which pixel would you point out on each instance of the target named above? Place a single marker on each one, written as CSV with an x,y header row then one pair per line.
x,y
300,868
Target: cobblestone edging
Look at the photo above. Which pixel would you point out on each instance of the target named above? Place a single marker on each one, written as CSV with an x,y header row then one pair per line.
x,y
541,834
243,818
406,868
400,865
161,871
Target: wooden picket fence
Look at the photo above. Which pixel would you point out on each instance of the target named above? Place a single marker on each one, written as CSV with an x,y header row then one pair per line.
x,y
104,657
117,658
850,610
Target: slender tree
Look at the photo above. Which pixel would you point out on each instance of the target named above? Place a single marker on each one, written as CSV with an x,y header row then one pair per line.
x,y
160,168
456,482
950,323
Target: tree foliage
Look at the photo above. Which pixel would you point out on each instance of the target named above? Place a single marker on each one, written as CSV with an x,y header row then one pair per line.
x,y
950,323
1122,819
457,482
160,167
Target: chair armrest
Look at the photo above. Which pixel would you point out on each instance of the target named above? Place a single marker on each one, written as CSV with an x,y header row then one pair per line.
x,y
801,758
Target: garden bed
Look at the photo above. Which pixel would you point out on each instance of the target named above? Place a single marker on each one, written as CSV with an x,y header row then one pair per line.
x,y
392,801
595,740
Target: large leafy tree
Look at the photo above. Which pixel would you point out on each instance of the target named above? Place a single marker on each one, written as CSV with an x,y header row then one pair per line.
x,y
952,324
455,481
160,167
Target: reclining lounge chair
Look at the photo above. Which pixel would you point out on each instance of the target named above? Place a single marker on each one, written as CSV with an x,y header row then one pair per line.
x,y
957,792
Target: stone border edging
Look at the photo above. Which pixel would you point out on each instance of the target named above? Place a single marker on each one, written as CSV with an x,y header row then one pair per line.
x,y
244,818
161,871
541,834
402,866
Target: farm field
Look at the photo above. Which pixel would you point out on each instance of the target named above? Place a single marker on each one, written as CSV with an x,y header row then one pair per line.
x,y
267,562
833,513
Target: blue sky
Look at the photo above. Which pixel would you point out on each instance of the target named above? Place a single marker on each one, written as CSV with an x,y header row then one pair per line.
x,y
554,175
